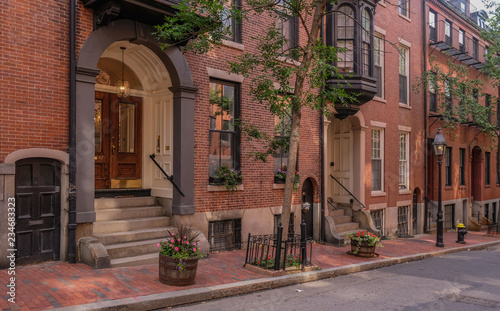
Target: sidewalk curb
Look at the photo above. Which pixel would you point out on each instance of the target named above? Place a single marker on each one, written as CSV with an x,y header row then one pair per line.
x,y
170,299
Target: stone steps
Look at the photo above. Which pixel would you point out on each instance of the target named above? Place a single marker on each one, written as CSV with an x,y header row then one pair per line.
x,y
132,249
130,229
146,259
129,213
350,226
134,235
123,225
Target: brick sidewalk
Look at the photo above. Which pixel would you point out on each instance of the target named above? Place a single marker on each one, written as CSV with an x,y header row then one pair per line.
x,y
58,284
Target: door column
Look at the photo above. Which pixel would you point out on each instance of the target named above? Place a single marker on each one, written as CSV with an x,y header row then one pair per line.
x,y
183,155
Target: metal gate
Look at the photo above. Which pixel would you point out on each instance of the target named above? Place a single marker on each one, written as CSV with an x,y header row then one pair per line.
x,y
403,221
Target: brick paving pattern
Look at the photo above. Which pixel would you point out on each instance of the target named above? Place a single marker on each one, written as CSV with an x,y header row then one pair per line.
x,y
58,284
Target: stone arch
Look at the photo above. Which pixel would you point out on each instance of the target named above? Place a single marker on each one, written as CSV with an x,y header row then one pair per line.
x,y
183,90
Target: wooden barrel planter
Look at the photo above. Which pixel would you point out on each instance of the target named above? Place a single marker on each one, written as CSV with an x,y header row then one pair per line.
x,y
171,275
364,250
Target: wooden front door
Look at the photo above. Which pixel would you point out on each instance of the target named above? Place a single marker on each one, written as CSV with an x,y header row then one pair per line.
x,y
118,141
38,205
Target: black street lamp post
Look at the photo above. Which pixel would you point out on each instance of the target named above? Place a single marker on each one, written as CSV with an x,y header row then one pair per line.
x,y
439,145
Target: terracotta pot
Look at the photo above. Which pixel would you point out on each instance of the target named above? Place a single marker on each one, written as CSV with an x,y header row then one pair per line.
x,y
364,250
171,275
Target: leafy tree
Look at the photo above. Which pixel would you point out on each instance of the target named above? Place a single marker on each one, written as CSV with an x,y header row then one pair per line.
x,y
286,76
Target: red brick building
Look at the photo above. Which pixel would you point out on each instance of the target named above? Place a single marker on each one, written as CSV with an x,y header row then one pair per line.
x,y
471,187
75,151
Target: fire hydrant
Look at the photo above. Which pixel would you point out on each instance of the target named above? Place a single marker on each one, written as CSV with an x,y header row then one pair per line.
x,y
461,232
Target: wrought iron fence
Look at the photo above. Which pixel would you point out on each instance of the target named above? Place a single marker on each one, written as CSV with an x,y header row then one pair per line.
x,y
271,252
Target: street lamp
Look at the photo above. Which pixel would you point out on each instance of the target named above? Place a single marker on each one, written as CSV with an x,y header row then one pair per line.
x,y
439,145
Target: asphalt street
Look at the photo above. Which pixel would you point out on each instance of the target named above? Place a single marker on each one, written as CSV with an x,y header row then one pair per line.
x,y
460,281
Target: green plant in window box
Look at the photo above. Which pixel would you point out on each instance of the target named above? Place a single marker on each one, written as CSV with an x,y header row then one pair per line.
x,y
228,176
281,175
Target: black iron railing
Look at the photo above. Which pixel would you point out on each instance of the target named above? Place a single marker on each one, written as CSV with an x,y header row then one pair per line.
x,y
271,252
170,178
352,195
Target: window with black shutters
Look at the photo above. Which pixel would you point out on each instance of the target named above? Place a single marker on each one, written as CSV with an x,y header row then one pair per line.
x,y
447,166
487,158
461,164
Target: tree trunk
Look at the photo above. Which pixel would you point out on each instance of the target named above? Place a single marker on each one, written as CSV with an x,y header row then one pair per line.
x,y
297,114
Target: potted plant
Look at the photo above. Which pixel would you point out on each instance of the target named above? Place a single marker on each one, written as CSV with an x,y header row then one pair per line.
x,y
179,255
228,177
280,177
363,243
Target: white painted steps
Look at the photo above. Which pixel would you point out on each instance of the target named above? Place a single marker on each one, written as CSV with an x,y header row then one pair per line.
x,y
130,229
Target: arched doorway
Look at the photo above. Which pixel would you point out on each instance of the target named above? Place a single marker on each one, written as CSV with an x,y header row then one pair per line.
x,y
130,128
38,199
308,207
182,95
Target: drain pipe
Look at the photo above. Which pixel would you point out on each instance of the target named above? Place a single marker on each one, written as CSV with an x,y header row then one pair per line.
x,y
72,135
322,156
426,115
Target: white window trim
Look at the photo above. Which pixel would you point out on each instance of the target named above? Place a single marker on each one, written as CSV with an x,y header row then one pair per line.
x,y
407,168
407,66
224,75
381,34
380,192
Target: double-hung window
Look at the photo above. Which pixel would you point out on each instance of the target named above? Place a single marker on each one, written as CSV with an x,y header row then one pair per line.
x,y
403,74
432,25
432,92
366,22
404,6
231,24
378,67
345,39
461,40
404,166
448,32
289,28
377,159
223,137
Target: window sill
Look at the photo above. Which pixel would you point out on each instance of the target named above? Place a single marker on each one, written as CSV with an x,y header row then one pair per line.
x,y
448,187
278,186
487,186
288,60
382,4
214,188
234,45
404,191
405,106
379,99
378,194
462,187
405,18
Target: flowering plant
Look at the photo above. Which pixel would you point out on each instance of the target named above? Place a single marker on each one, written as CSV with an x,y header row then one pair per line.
x,y
229,176
305,207
181,245
281,174
364,236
